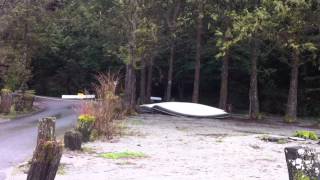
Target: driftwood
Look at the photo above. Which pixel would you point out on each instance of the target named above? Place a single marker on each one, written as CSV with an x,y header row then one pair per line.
x,y
72,140
303,163
48,152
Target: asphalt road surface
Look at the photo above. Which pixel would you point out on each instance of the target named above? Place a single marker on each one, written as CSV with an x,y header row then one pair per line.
x,y
18,137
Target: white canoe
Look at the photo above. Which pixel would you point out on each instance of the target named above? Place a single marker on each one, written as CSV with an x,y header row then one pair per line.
x,y
186,109
79,96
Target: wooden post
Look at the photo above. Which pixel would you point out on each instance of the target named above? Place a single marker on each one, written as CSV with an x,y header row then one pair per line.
x,y
72,140
48,152
302,163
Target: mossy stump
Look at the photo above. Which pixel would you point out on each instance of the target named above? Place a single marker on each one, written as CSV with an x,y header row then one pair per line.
x,y
303,163
47,155
72,140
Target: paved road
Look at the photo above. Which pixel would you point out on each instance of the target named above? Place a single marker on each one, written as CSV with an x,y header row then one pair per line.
x,y
18,137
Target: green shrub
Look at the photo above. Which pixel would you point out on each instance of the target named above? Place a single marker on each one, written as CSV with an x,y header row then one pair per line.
x,y
85,126
301,176
307,135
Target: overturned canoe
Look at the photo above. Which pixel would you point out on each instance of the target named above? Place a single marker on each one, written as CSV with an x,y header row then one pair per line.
x,y
185,109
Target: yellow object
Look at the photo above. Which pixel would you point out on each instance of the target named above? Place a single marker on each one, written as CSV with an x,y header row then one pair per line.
x,y
81,95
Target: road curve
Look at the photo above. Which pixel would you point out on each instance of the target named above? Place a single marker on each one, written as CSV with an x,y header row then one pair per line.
x,y
18,137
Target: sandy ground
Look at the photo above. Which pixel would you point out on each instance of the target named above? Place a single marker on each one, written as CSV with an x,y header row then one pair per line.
x,y
183,149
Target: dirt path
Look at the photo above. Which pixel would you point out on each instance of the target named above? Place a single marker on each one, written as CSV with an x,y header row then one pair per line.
x,y
184,148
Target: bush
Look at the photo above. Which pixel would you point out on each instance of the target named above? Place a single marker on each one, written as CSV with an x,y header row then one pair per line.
x,y
307,135
107,109
85,126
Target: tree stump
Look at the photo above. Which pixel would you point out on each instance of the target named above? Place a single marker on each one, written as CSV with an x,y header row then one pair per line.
x,y
48,152
46,129
302,163
18,102
6,101
28,101
72,140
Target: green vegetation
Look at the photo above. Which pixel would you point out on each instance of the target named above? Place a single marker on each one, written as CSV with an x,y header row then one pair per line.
x,y
123,155
86,119
307,135
300,175
85,126
257,51
5,91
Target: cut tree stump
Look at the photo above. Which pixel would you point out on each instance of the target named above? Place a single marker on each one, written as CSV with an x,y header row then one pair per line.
x,y
5,101
48,152
303,163
46,129
72,140
18,102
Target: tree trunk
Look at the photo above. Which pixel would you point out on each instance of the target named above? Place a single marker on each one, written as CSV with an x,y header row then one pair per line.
x,y
291,112
170,72
181,91
26,51
130,86
48,152
196,83
253,92
133,89
130,80
172,24
143,82
149,81
224,82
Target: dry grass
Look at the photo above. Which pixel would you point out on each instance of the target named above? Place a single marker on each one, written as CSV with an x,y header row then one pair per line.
x,y
107,109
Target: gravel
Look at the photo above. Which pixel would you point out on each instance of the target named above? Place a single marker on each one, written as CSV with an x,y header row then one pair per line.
x,y
183,148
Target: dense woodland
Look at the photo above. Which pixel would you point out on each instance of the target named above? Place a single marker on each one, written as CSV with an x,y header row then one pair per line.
x,y
256,56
